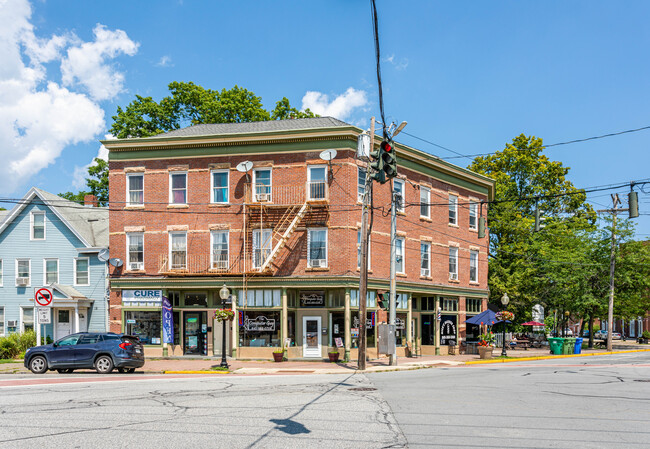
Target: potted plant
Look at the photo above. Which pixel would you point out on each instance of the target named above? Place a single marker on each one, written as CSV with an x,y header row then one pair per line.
x,y
645,336
485,345
278,354
333,355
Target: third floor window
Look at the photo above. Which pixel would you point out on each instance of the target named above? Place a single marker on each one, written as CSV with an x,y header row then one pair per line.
x,y
262,184
473,214
453,209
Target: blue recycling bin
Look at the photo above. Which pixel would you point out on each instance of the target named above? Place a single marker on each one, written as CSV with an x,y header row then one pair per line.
x,y
578,347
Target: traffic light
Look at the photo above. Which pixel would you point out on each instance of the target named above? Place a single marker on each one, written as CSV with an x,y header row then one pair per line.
x,y
390,161
382,300
377,165
633,201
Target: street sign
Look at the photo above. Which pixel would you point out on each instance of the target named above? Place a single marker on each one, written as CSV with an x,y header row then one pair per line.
x,y
43,297
44,316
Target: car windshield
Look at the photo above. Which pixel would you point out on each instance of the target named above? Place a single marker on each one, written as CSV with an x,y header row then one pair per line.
x,y
68,341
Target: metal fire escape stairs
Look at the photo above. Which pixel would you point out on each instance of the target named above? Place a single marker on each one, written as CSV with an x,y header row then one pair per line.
x,y
284,238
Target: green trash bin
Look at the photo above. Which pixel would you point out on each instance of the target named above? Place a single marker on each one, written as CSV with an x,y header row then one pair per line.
x,y
556,345
568,346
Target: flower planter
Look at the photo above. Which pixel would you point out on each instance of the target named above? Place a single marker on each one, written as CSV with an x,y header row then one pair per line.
x,y
278,356
334,356
485,352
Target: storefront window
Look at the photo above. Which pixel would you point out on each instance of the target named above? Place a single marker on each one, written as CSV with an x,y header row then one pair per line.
x,y
259,329
370,329
338,327
400,329
196,300
177,328
144,325
291,327
428,330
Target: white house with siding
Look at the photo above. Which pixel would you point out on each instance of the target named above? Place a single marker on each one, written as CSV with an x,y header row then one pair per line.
x,y
48,241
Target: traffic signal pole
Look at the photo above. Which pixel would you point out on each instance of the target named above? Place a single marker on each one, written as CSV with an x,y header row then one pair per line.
x,y
393,258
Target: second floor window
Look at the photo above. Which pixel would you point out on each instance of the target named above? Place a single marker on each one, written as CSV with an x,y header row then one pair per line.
x,y
178,250
81,271
178,188
262,184
317,244
135,186
453,209
220,250
135,247
220,186
453,263
425,199
38,225
473,266
473,214
399,191
1,274
23,271
262,239
399,255
51,271
425,259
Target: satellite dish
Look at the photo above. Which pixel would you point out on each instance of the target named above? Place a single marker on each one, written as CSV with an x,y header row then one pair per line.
x,y
327,155
116,262
102,255
244,166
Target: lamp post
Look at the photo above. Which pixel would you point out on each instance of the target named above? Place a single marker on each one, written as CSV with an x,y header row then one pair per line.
x,y
504,300
566,322
224,294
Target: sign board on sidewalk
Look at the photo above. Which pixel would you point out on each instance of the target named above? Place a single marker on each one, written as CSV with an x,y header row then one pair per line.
x,y
43,297
44,315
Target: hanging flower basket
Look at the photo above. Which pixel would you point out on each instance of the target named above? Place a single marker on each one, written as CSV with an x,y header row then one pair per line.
x,y
224,315
505,316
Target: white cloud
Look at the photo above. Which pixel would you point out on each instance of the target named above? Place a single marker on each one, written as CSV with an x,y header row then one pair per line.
x,y
165,61
39,117
402,64
81,173
341,107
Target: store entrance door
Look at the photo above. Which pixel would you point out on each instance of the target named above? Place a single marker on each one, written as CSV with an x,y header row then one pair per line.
x,y
195,333
311,344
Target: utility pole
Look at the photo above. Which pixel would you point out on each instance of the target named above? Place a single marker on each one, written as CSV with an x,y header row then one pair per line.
x,y
363,277
393,256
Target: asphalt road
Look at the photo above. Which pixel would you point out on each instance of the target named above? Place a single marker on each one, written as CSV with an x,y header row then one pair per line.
x,y
573,403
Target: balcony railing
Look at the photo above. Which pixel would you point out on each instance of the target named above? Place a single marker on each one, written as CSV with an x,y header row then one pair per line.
x,y
287,195
193,264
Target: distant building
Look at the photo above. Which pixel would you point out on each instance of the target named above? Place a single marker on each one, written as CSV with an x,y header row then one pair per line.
x,y
47,241
254,207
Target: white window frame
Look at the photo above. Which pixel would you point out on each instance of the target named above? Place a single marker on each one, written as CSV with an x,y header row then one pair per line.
x,y
473,213
400,182
425,272
361,188
31,225
400,251
309,181
128,188
359,250
453,256
74,270
2,321
473,258
2,274
212,186
45,261
212,241
171,191
453,209
29,264
425,201
267,244
171,260
128,250
22,317
309,240
270,186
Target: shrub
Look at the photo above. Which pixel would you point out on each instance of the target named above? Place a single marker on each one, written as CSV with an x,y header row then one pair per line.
x,y
646,334
8,348
26,340
16,344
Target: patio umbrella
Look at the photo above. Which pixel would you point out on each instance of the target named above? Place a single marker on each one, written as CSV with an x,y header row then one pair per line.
x,y
487,317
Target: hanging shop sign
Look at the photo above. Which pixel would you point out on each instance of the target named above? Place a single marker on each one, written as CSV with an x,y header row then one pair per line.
x,y
259,324
168,321
142,298
312,299
447,329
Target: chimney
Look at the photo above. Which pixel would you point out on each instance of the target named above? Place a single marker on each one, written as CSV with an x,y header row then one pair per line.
x,y
90,201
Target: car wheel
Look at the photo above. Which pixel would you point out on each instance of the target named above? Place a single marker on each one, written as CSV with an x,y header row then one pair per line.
x,y
130,370
38,365
104,364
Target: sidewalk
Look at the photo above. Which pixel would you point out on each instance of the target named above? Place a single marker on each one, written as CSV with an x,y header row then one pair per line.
x,y
203,365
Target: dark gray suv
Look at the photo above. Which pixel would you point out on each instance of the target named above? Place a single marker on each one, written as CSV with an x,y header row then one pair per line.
x,y
103,352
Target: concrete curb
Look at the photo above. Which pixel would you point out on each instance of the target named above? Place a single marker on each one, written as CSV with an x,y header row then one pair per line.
x,y
548,357
196,372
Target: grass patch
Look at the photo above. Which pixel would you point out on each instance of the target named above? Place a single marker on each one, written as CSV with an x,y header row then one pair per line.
x,y
11,361
219,368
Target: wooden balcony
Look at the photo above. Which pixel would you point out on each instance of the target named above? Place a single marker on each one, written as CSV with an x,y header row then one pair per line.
x,y
202,265
282,195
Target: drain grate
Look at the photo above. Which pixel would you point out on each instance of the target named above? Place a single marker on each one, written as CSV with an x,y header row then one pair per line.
x,y
641,380
363,389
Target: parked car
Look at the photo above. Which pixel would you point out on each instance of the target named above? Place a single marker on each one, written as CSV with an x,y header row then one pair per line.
x,y
103,352
600,335
585,333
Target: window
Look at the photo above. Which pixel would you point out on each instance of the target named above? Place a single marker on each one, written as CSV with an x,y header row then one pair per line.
x,y
398,185
38,225
473,305
449,305
359,249
361,184
220,186
371,298
81,271
27,319
473,266
263,298
178,250
135,251
453,263
1,274
178,188
51,270
144,325
262,184
399,255
473,214
2,321
196,300
261,246
317,244
259,329
425,199
453,209
23,272
135,189
220,250
425,259
317,182
428,303
401,301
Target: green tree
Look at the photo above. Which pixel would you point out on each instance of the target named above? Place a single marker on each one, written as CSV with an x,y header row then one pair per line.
x,y
97,183
284,111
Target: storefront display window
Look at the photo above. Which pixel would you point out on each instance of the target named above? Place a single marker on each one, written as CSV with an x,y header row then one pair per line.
x,y
146,325
400,329
370,329
196,300
338,327
259,329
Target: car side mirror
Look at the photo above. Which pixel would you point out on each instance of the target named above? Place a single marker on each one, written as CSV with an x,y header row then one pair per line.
x,y
55,345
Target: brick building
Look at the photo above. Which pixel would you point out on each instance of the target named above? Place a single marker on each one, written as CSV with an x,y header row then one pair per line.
x,y
252,206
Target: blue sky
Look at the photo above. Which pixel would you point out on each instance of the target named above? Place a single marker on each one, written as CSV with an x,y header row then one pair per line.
x,y
466,75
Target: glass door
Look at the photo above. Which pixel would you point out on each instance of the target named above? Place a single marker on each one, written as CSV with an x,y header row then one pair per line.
x,y
311,340
193,337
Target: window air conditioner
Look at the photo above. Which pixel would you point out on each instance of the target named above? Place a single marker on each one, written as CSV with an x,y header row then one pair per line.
x,y
262,197
136,266
317,263
22,281
424,272
220,264
12,323
453,276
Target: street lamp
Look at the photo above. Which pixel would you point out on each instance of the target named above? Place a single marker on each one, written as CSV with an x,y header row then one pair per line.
x,y
566,322
224,294
504,300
